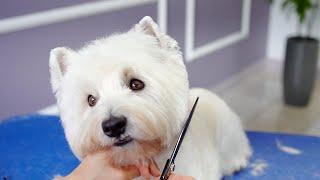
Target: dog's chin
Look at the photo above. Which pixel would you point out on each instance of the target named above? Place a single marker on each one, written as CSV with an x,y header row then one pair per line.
x,y
128,150
122,141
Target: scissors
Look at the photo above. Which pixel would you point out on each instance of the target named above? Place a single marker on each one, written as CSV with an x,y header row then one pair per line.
x,y
170,166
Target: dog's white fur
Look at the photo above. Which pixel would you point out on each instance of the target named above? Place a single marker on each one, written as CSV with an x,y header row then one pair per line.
x,y
215,143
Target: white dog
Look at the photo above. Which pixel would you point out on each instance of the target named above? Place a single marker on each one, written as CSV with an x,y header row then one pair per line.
x,y
129,93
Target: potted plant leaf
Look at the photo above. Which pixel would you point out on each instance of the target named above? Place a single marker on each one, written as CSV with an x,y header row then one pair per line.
x,y
301,53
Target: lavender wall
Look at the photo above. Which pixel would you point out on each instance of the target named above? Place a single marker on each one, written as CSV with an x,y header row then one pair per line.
x,y
214,68
24,73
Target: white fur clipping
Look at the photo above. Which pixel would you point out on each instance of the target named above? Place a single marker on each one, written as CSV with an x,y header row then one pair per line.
x,y
148,26
287,149
58,177
258,167
59,61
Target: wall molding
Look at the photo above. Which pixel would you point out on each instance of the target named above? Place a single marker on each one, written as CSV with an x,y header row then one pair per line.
x,y
162,17
192,53
57,15
49,110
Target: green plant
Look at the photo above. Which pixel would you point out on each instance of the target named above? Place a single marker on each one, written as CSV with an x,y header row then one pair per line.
x,y
305,10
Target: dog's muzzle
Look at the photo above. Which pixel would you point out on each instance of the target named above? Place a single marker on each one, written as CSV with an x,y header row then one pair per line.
x,y
115,126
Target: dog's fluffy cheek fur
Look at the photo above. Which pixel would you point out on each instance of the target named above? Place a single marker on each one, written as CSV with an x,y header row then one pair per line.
x,y
82,129
82,140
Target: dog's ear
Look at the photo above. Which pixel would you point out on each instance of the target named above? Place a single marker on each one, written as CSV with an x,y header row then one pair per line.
x,y
58,64
149,27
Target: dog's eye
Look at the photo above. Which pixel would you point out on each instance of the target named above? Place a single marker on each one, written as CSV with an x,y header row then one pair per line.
x,y
92,100
136,84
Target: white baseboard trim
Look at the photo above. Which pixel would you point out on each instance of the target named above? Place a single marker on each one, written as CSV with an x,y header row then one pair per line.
x,y
50,110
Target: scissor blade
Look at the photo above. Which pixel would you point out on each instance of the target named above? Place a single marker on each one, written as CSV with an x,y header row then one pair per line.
x,y
167,168
183,132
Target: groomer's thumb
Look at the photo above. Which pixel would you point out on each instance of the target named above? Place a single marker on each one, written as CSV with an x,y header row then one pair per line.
x,y
179,177
154,170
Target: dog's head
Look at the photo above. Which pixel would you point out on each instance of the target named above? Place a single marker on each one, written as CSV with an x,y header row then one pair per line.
x,y
127,93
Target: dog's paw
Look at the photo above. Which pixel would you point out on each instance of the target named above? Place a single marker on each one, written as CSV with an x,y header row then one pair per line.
x,y
237,163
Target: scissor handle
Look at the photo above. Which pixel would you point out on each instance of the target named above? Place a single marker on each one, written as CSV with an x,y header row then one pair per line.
x,y
168,169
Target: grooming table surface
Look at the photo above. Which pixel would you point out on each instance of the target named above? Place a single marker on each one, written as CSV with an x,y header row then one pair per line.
x,y
34,147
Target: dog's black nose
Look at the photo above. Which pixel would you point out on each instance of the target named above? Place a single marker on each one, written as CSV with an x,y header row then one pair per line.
x,y
115,126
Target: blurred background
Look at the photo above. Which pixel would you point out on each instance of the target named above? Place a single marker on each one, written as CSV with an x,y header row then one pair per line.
x,y
260,56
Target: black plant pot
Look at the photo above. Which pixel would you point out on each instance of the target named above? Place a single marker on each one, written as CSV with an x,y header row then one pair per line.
x,y
300,70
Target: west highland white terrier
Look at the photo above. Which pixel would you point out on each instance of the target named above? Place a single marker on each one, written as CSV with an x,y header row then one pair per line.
x,y
129,93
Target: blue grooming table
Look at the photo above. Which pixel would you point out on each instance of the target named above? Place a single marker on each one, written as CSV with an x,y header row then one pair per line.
x,y
34,147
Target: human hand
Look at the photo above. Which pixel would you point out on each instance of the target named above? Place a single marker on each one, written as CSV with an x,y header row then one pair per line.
x,y
179,177
96,166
